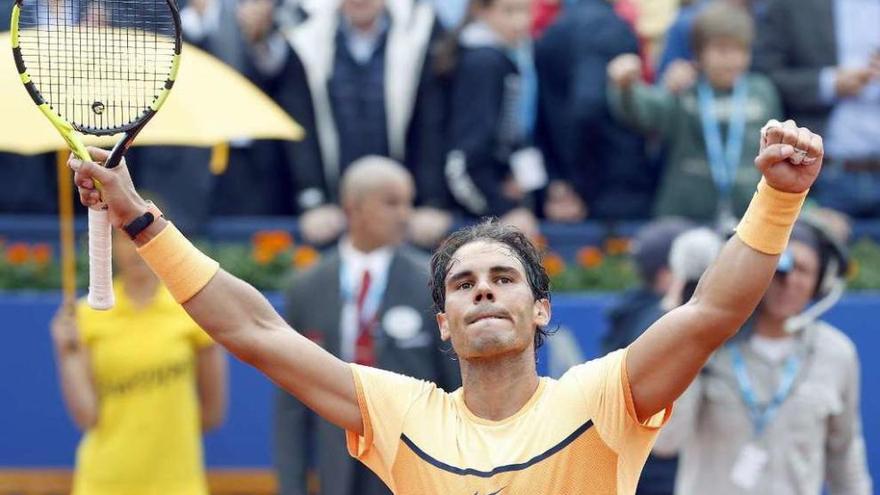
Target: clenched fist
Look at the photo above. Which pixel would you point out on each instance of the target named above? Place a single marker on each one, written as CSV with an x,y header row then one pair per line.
x,y
790,157
625,70
117,193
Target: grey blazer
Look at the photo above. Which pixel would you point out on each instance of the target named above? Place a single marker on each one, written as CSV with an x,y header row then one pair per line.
x,y
301,439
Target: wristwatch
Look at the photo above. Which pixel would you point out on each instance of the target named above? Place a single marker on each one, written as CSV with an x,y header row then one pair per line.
x,y
140,223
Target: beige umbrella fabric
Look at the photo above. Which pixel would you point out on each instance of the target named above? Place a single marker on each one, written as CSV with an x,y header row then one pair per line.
x,y
210,104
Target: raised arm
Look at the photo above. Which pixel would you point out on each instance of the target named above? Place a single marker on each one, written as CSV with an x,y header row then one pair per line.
x,y
667,357
235,314
648,109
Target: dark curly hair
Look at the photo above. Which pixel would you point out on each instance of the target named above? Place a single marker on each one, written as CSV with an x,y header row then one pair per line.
x,y
492,231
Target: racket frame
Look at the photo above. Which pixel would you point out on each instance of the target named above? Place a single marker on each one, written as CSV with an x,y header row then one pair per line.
x,y
101,295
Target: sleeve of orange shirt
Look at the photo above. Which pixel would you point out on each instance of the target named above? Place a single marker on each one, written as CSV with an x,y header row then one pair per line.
x,y
609,403
384,399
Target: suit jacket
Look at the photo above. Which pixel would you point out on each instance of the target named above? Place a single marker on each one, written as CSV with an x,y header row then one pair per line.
x,y
314,306
796,40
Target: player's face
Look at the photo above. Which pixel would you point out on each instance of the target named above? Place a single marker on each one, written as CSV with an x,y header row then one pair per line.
x,y
510,19
723,60
490,310
788,295
362,13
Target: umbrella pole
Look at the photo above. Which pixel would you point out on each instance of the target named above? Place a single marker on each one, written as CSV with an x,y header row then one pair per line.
x,y
65,224
219,158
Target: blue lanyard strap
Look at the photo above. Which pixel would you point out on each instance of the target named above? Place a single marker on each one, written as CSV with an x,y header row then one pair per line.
x,y
761,417
723,160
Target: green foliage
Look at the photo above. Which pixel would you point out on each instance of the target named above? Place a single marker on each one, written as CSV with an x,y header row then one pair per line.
x,y
272,258
865,265
614,273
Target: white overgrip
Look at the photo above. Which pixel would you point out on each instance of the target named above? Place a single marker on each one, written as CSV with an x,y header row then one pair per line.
x,y
100,261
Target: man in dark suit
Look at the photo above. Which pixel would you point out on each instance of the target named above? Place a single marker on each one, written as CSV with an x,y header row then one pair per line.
x,y
366,303
824,56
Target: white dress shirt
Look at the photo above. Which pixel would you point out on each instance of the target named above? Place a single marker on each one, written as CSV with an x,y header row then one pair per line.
x,y
353,263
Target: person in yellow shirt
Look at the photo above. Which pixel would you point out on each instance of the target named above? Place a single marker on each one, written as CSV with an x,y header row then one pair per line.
x,y
506,431
141,380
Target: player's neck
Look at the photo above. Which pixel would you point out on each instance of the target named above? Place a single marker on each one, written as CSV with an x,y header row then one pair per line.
x,y
497,388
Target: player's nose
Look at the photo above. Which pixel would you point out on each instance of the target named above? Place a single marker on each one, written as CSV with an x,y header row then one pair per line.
x,y
483,291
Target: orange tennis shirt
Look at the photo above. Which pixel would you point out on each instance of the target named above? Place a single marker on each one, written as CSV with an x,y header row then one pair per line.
x,y
576,435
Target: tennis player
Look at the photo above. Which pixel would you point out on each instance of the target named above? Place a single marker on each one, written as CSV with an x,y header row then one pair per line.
x,y
507,430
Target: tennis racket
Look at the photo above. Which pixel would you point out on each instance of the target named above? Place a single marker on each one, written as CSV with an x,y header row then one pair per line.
x,y
97,67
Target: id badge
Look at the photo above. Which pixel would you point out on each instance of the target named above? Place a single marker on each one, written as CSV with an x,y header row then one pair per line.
x,y
749,466
528,169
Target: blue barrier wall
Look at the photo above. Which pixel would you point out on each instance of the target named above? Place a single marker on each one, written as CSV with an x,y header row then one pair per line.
x,y
35,430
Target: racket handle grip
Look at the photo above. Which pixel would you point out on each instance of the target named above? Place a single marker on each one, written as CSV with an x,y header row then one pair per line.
x,y
100,261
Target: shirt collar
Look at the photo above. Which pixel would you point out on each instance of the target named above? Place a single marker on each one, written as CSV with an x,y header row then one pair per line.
x,y
352,35
376,261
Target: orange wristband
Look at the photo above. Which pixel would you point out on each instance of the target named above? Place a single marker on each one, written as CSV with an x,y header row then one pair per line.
x,y
767,223
179,265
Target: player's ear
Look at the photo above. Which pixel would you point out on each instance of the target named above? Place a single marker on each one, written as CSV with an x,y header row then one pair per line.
x,y
541,312
443,324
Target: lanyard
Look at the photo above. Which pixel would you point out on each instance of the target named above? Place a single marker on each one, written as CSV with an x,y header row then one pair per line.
x,y
349,284
762,417
527,105
723,160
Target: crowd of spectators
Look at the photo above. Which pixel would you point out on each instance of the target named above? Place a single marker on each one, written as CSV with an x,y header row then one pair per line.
x,y
528,110
545,111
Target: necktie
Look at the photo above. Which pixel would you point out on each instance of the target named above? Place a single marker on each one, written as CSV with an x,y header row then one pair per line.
x,y
364,352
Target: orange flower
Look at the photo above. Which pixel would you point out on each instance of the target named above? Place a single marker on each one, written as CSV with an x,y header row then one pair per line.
x,y
616,246
853,271
18,253
554,264
41,254
589,257
272,241
262,255
305,256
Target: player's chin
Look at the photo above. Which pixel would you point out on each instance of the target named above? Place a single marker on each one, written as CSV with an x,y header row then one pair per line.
x,y
490,339
490,326
488,349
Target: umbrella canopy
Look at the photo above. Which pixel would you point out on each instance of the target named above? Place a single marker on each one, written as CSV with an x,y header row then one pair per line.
x,y
210,104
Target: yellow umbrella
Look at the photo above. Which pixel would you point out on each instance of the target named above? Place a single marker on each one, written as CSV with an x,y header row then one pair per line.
x,y
210,104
